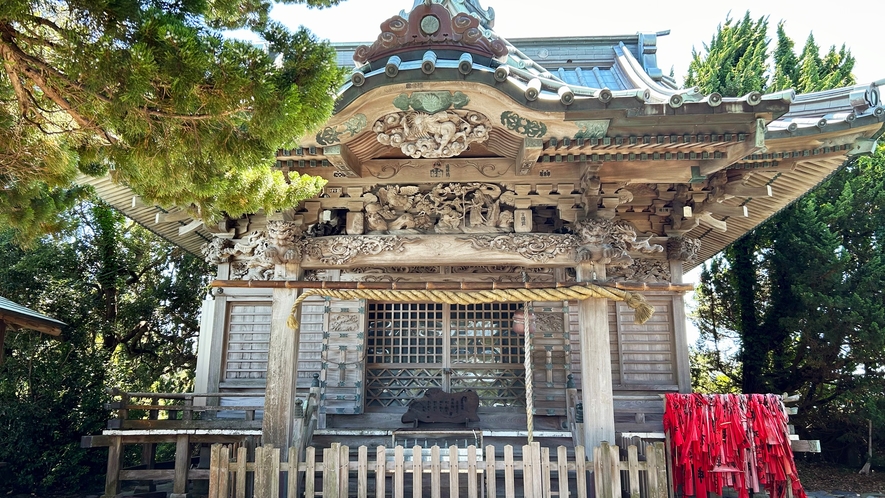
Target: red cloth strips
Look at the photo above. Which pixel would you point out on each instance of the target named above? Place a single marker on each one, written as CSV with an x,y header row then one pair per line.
x,y
730,440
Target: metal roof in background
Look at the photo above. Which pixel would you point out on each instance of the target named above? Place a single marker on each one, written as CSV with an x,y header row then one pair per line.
x,y
20,316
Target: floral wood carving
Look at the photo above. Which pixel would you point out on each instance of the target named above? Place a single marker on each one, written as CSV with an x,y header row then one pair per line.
x,y
608,241
683,249
642,270
443,134
536,247
340,250
344,323
438,28
523,126
332,135
251,262
549,323
430,102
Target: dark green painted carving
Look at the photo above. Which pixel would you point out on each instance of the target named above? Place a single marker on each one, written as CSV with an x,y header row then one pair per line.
x,y
523,126
430,102
332,134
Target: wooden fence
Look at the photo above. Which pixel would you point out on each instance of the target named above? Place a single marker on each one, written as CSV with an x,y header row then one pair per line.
x,y
438,472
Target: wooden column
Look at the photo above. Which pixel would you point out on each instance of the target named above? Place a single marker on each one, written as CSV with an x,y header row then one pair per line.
x,y
683,369
596,363
282,367
182,463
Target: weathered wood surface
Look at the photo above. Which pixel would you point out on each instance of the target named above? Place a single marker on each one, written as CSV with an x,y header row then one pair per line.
x,y
437,405
596,361
535,474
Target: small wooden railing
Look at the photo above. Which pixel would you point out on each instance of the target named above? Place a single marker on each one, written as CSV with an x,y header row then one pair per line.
x,y
148,419
397,472
178,411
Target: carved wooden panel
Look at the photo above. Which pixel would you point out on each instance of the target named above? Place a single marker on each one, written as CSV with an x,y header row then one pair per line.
x,y
343,366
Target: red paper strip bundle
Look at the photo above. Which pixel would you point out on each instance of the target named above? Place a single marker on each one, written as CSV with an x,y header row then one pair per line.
x,y
729,440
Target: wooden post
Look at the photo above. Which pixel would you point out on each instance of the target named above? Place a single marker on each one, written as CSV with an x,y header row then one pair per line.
x,y
683,368
330,471
182,462
115,459
596,363
282,368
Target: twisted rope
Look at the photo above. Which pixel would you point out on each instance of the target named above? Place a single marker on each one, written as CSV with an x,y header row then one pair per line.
x,y
643,310
529,371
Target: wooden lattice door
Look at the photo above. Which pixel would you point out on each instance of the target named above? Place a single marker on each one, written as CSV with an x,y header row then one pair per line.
x,y
415,346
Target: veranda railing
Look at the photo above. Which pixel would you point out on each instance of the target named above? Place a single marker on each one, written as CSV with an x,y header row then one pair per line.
x,y
438,472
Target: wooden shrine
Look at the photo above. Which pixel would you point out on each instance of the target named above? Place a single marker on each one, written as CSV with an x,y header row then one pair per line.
x,y
457,160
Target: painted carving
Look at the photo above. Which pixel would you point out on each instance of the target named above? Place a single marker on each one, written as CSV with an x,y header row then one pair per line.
x,y
442,134
594,128
608,241
342,249
523,126
683,249
442,208
642,270
331,135
533,246
432,25
430,102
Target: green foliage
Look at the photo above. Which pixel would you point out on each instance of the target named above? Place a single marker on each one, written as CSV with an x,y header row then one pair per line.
x,y
153,92
796,305
734,62
818,268
132,304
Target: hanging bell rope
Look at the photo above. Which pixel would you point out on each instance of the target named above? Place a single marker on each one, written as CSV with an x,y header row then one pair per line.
x,y
637,302
528,320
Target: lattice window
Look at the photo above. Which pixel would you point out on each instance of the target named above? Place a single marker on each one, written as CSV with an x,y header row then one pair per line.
x,y
412,347
405,333
484,335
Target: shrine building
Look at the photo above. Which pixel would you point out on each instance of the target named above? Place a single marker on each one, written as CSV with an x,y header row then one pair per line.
x,y
568,178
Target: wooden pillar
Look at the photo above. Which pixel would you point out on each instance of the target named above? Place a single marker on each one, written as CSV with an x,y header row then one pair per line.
x,y
115,461
282,367
683,369
182,463
596,363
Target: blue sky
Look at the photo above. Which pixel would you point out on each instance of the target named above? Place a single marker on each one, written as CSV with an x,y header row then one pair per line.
x,y
858,25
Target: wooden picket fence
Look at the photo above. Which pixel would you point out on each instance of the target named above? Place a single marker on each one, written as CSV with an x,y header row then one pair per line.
x,y
435,473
